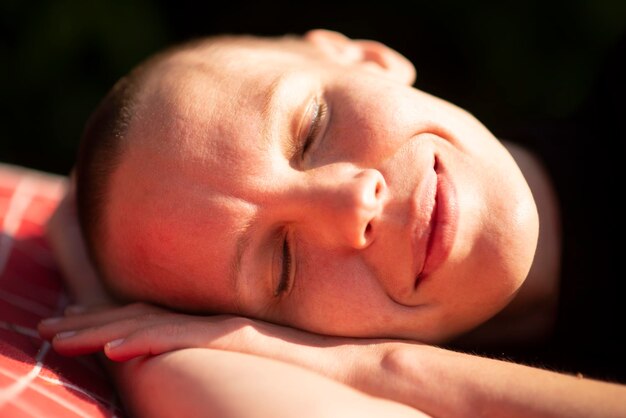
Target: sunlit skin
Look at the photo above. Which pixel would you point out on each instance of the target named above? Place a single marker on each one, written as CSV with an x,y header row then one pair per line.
x,y
213,152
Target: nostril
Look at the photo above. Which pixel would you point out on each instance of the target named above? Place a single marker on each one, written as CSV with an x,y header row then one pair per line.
x,y
379,188
368,230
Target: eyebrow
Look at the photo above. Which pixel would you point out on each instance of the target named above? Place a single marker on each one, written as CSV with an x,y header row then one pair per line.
x,y
269,99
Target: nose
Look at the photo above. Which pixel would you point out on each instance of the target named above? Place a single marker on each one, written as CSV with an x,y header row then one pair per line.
x,y
350,203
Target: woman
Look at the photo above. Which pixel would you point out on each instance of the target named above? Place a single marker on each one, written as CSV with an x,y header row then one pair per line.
x,y
304,182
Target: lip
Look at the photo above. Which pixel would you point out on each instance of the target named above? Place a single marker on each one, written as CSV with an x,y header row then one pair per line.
x,y
433,242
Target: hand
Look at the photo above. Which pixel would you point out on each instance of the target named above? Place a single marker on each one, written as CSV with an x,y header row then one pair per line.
x,y
140,329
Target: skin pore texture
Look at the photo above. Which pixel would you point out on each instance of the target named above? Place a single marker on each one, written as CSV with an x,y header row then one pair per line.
x,y
403,216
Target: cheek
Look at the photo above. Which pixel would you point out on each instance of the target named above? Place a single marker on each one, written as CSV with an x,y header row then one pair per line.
x,y
512,220
367,125
339,295
495,241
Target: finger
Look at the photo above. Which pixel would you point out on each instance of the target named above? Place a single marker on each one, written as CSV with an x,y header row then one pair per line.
x,y
52,326
73,349
88,340
170,336
150,342
221,333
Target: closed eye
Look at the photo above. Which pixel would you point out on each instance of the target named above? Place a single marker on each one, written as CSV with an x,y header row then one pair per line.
x,y
286,264
318,112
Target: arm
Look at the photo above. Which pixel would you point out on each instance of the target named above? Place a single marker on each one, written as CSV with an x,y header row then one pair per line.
x,y
477,386
215,383
437,381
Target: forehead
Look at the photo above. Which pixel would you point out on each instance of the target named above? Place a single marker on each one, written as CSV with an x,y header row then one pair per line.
x,y
215,102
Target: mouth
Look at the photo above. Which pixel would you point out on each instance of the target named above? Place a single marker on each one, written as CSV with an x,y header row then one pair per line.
x,y
433,242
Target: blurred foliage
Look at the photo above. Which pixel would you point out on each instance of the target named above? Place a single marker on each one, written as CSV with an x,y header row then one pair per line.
x,y
507,62
59,57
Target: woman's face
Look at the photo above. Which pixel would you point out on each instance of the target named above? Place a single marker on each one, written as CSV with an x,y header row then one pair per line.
x,y
305,182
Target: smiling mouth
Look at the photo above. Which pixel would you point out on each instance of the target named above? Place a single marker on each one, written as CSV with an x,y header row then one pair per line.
x,y
432,229
440,232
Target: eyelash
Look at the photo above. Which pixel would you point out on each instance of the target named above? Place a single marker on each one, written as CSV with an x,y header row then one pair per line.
x,y
316,124
285,275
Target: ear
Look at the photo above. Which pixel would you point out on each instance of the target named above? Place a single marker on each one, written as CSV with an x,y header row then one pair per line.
x,y
371,54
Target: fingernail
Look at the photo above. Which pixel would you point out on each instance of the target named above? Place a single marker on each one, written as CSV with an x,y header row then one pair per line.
x,y
50,321
114,343
74,309
65,334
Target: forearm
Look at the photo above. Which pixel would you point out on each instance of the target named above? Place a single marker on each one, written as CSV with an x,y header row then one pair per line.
x,y
214,383
451,384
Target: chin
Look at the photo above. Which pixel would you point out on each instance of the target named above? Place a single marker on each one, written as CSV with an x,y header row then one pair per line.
x,y
511,257
523,236
500,267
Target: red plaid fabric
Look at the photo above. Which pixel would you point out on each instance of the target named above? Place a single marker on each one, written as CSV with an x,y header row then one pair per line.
x,y
34,380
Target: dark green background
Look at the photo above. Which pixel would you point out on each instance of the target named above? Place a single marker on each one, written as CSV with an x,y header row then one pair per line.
x,y
519,66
